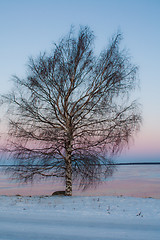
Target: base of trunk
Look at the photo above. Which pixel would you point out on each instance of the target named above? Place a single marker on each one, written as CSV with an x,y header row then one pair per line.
x,y
68,191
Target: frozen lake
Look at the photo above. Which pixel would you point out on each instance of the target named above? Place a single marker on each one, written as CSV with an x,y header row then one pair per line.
x,y
135,181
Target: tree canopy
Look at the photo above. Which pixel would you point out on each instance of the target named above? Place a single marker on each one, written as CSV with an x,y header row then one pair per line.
x,y
72,113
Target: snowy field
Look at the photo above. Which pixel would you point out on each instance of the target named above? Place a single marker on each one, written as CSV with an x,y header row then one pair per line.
x,y
78,218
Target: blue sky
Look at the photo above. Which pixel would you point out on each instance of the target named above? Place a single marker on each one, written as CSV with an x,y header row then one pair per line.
x,y
30,27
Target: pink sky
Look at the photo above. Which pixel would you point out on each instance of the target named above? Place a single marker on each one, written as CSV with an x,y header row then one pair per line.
x,y
135,19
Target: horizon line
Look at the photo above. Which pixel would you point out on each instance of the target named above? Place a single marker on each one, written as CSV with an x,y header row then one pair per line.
x,y
110,164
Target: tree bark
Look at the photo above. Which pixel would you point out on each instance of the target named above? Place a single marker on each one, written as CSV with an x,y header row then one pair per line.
x,y
68,161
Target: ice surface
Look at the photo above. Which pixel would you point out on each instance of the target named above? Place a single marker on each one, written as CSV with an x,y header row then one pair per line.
x,y
78,218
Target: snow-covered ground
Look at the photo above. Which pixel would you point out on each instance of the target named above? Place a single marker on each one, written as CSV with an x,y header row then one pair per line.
x,y
79,218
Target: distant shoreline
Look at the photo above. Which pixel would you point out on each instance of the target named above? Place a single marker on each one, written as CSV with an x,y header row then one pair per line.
x,y
111,164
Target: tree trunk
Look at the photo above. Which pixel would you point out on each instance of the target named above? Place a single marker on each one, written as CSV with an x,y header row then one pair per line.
x,y
68,162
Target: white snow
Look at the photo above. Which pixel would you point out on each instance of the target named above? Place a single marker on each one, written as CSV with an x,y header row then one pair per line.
x,y
79,218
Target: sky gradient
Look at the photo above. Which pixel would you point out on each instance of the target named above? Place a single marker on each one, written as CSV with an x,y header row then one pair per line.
x,y
30,27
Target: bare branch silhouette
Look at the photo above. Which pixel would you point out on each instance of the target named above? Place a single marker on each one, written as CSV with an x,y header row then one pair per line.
x,y
71,114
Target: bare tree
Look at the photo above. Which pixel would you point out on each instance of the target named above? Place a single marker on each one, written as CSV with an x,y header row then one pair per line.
x,y
71,114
